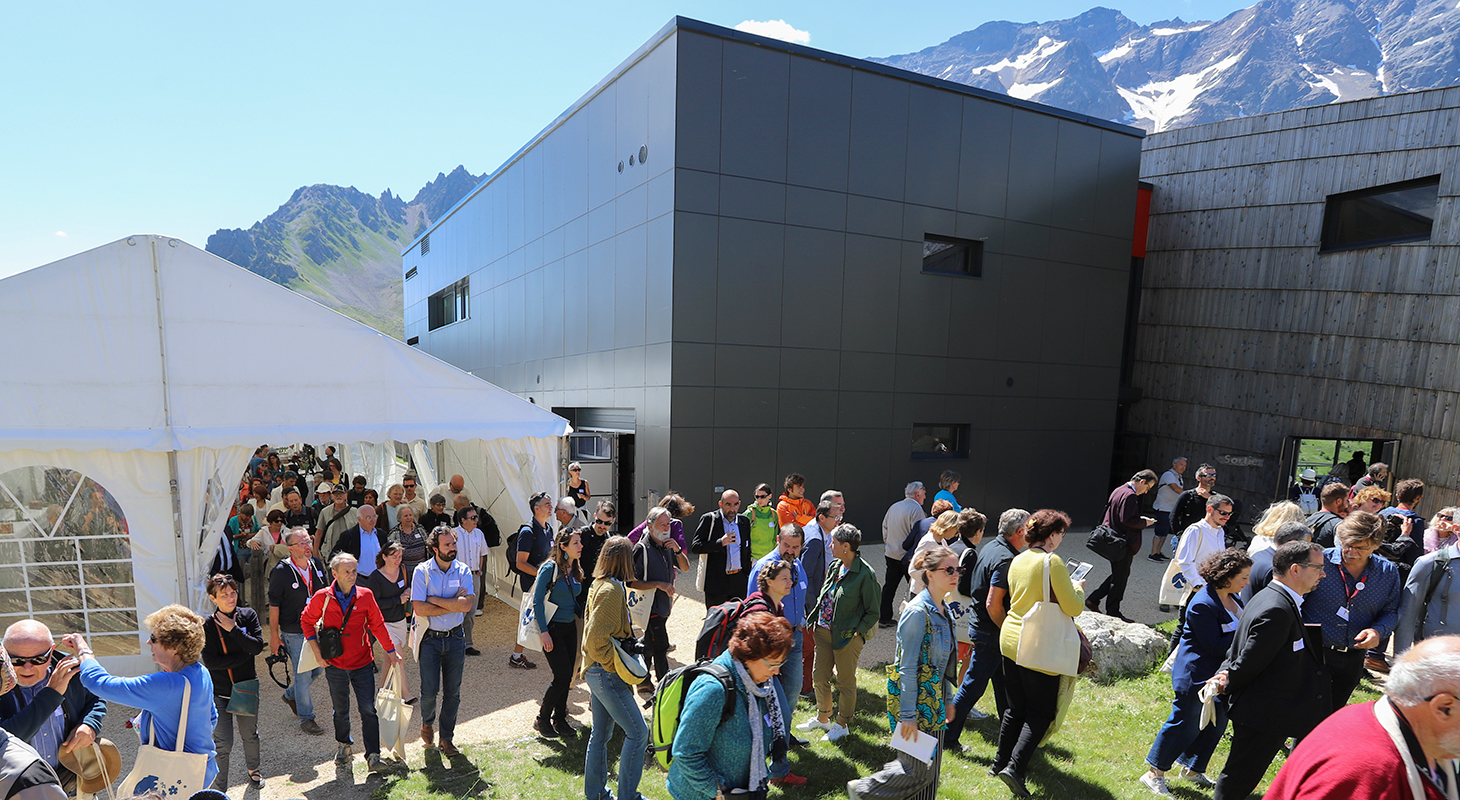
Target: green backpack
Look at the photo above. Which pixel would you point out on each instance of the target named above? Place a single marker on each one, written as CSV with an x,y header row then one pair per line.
x,y
669,704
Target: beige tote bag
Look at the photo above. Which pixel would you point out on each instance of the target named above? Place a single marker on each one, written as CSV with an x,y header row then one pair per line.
x,y
1048,639
174,773
394,714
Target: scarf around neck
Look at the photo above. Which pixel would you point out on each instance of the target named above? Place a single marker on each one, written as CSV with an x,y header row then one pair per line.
x,y
765,691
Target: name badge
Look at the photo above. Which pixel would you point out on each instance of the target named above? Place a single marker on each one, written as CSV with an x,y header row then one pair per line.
x,y
1343,613
1229,627
1298,645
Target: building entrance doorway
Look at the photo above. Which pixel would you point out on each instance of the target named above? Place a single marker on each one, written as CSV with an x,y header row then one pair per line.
x,y
1339,458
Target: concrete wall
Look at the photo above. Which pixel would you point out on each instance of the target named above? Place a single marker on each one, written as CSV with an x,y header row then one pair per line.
x,y
806,337
1249,335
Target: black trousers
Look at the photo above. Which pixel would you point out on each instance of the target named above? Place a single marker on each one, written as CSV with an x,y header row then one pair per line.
x,y
1253,749
1033,704
1345,669
561,660
892,578
656,646
1112,591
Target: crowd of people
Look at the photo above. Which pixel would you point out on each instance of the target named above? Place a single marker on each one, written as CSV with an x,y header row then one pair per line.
x,y
1275,631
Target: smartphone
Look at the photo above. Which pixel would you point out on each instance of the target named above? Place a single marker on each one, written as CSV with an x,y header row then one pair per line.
x,y
1078,570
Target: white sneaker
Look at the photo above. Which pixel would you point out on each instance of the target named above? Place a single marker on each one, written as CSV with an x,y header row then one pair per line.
x,y
478,614
1198,778
835,732
814,724
1156,784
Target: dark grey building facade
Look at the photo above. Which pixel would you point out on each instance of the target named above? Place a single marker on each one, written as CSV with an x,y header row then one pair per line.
x,y
763,258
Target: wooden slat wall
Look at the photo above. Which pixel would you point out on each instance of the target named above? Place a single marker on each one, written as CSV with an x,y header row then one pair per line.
x,y
1247,335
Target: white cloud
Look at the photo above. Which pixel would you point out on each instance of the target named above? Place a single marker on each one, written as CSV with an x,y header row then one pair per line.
x,y
61,234
775,29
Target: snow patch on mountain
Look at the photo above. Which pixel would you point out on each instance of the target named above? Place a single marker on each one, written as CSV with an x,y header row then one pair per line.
x,y
1026,91
1174,31
1162,102
1045,48
1117,52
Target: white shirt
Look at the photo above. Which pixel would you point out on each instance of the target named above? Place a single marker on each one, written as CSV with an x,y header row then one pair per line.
x,y
471,548
1297,598
445,491
1165,496
1198,541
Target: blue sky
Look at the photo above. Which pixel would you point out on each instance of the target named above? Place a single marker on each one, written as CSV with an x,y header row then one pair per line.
x,y
181,118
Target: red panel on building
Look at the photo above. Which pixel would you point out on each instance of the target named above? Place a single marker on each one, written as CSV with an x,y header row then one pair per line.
x,y
1143,220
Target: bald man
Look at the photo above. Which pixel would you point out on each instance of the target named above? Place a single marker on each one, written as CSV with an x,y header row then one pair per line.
x,y
451,489
48,709
363,540
724,535
1398,747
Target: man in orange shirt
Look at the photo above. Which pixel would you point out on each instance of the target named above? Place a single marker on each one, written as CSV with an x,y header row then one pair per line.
x,y
793,505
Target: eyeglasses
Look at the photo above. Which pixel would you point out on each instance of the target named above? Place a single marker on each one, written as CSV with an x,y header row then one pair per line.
x,y
1207,475
761,496
408,485
953,570
1224,513
152,639
470,517
575,470
773,664
604,522
35,661
1310,566
1445,518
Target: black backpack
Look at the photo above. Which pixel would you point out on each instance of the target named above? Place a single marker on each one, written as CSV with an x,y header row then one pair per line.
x,y
719,626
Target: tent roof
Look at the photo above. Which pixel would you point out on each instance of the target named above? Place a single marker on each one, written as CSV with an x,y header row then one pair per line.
x,y
149,343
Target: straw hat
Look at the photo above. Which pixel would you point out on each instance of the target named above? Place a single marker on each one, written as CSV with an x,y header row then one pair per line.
x,y
96,767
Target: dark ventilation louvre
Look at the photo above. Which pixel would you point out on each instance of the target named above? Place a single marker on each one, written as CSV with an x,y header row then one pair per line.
x,y
1390,214
410,273
413,341
425,244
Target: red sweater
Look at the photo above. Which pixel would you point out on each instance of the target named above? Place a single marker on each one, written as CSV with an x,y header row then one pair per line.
x,y
358,652
1347,756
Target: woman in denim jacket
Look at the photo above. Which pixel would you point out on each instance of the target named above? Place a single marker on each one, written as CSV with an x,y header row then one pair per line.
x,y
920,684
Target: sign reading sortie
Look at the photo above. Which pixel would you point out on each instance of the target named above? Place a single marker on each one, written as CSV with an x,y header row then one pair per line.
x,y
1240,461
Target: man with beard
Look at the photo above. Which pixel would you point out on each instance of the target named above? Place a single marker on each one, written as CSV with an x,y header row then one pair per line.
x,y
443,594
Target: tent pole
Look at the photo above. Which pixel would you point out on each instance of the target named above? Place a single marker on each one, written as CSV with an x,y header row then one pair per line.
x,y
184,588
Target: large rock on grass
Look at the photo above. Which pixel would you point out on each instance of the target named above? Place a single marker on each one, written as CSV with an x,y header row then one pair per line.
x,y
1121,649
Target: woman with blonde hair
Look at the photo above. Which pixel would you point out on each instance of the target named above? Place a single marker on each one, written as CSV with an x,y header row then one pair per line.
x,y
610,697
1442,530
1272,519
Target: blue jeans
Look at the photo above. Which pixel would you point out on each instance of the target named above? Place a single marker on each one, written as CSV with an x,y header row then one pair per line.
x,y
443,659
1182,740
298,691
790,680
362,680
984,667
613,703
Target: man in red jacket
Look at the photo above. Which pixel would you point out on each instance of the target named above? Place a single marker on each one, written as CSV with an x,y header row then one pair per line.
x,y
1400,747
350,609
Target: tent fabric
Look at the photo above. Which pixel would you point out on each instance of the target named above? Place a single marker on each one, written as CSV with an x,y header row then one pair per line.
x,y
128,367
101,325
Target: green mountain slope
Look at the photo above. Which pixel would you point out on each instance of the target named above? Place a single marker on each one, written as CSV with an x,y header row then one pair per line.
x,y
341,246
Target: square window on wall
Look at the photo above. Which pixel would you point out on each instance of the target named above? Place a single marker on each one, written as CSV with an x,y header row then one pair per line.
x,y
933,441
946,255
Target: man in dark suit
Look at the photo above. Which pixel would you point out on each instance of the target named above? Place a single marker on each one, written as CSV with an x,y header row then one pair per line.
x,y
1261,574
724,535
363,540
48,708
1274,671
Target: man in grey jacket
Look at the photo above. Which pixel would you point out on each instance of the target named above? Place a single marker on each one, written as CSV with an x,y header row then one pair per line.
x,y
896,524
1423,613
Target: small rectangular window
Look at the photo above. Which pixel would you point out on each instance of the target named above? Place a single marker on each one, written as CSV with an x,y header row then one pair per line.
x,y
589,448
449,305
410,273
933,441
945,255
425,244
1390,214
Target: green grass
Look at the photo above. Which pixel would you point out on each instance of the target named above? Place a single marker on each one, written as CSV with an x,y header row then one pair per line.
x,y
1098,754
1319,454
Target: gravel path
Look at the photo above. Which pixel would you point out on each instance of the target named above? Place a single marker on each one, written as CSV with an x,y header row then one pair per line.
x,y
499,703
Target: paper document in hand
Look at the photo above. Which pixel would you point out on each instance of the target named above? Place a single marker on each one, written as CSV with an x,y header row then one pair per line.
x,y
920,747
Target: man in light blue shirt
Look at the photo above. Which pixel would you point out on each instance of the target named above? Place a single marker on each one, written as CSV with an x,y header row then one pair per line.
x,y
793,608
442,594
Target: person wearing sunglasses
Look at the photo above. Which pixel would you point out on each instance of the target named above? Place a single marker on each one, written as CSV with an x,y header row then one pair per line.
x,y
593,537
1199,540
765,523
1274,675
725,756
43,685
921,686
577,487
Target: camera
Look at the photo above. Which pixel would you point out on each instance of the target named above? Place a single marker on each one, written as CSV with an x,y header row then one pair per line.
x,y
278,658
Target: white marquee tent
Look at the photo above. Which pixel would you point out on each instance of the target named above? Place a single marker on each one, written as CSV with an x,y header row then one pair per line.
x,y
143,374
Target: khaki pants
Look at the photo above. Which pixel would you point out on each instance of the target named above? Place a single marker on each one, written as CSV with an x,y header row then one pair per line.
x,y
845,662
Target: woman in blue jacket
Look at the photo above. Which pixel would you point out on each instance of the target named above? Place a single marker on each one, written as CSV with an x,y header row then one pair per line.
x,y
714,758
1211,622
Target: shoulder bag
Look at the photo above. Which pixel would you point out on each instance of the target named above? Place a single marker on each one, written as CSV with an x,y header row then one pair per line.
x,y
529,627
173,773
1049,641
331,642
641,601
244,700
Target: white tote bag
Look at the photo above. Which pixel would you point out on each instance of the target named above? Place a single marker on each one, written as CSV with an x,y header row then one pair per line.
x,y
394,714
960,613
700,573
1048,639
174,773
1174,588
529,629
641,601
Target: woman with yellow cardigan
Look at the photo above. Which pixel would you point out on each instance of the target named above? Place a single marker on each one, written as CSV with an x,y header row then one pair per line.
x,y
1033,694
